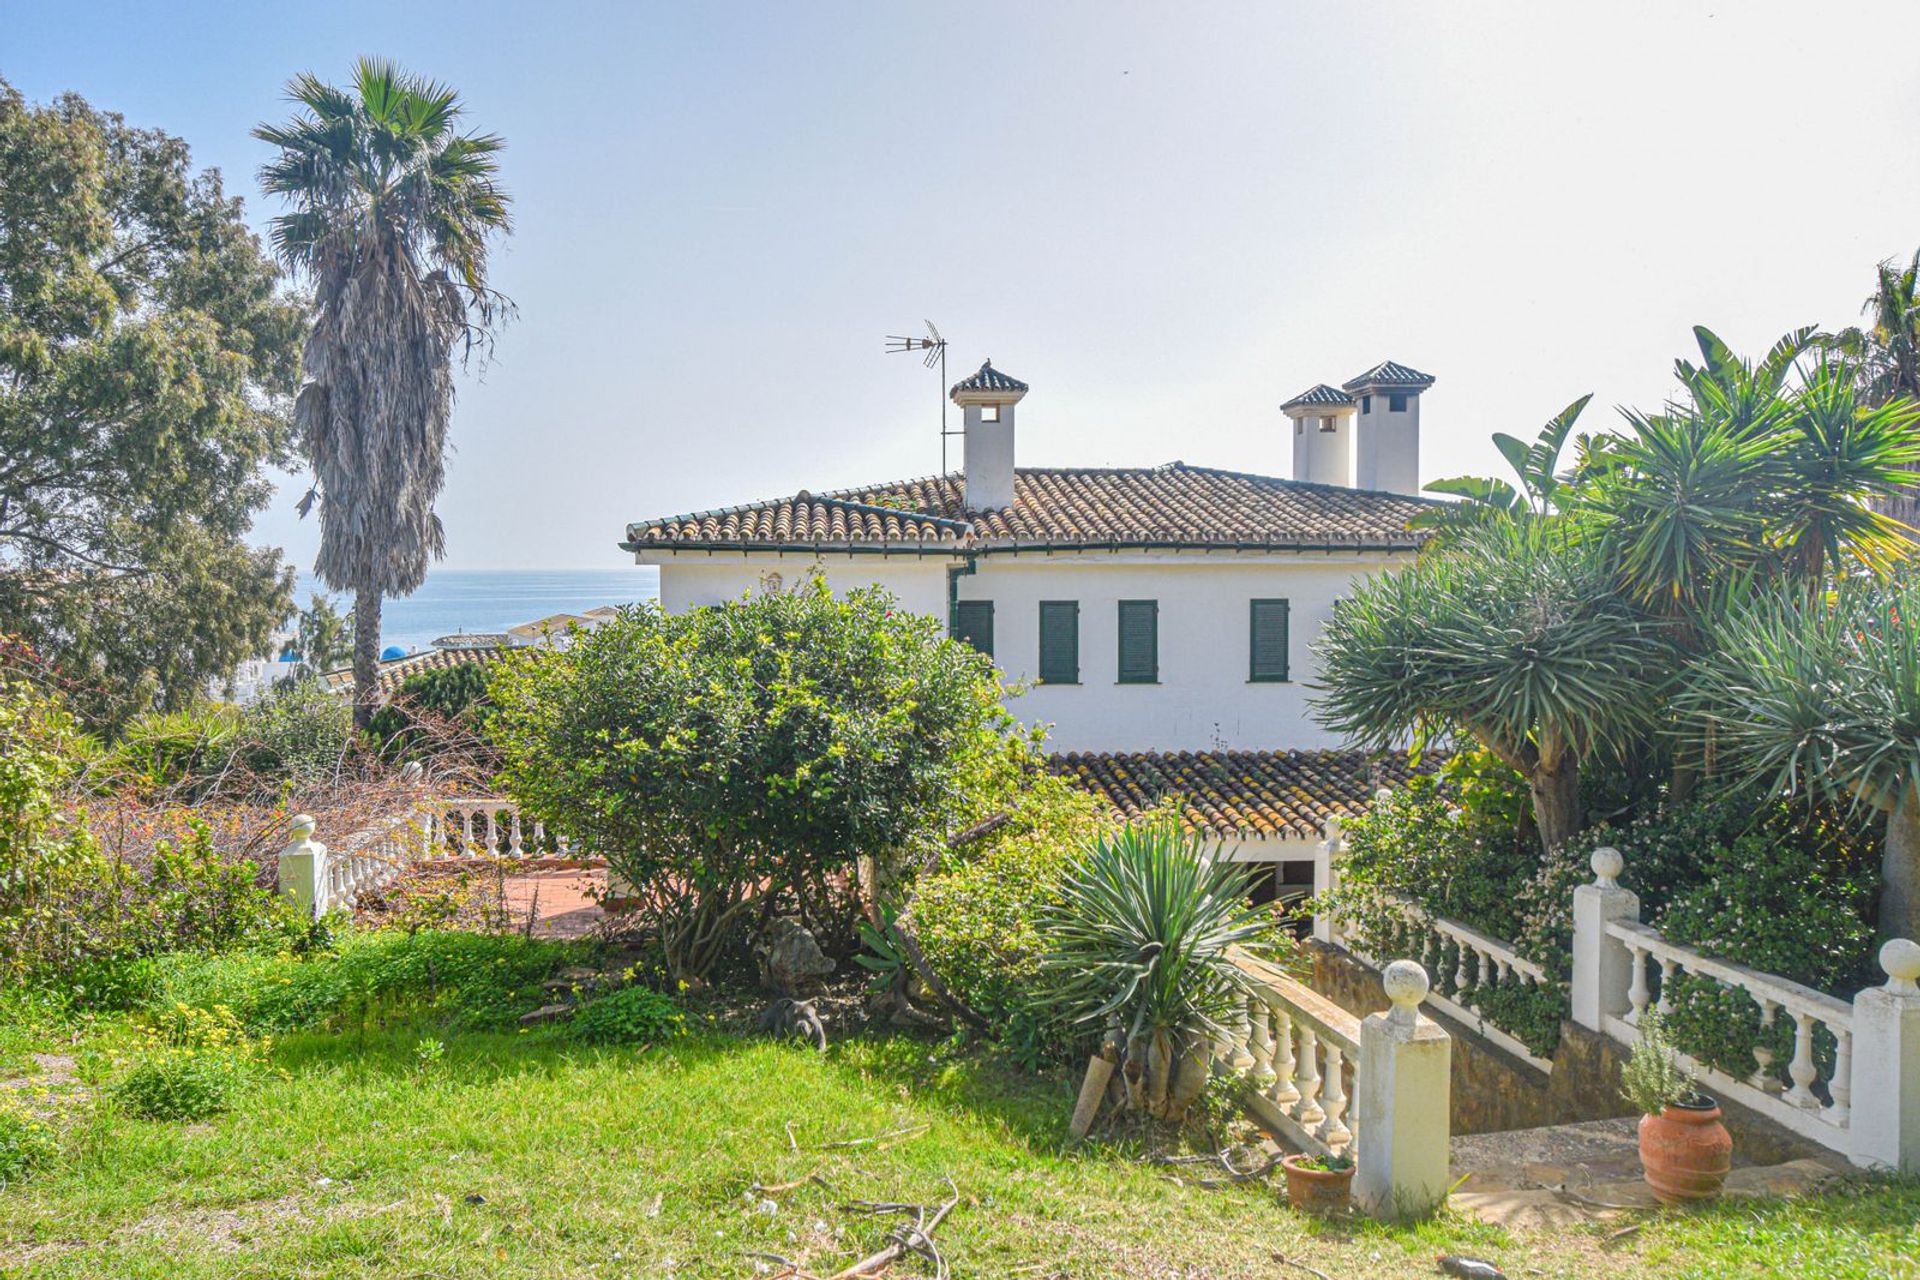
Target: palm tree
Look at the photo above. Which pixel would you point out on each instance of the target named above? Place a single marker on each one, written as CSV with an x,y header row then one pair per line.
x,y
1884,355
391,213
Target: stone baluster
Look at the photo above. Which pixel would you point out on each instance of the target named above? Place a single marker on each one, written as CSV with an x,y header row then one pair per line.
x,y
1307,1079
466,832
1763,1078
1285,1092
1261,1043
1668,969
1333,1100
1801,1070
1638,994
514,844
1239,1033
1460,968
1841,1085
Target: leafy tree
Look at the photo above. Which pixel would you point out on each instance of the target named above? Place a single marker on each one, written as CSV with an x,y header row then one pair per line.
x,y
1820,694
434,712
392,211
147,362
322,637
1515,637
758,748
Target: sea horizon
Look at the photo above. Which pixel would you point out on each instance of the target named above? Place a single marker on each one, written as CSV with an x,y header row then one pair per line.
x,y
453,601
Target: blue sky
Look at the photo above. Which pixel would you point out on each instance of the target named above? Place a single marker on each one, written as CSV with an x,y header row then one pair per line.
x,y
1167,219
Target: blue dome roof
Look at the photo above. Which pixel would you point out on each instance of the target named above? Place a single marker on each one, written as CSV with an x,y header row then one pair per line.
x,y
290,656
391,652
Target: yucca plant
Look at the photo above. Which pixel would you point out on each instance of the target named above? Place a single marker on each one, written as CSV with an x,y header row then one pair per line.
x,y
1140,942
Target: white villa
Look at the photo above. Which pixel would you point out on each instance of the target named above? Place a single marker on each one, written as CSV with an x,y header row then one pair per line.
x,y
1160,615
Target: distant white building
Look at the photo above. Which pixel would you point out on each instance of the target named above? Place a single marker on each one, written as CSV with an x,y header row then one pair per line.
x,y
1157,609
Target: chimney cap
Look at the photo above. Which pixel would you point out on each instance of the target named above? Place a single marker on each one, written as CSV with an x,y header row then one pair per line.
x,y
1390,376
1321,394
988,382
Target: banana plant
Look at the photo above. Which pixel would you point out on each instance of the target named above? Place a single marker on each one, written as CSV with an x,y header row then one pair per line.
x,y
1536,469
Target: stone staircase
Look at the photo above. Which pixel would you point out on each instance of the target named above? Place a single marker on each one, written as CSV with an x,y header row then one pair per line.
x,y
1569,1174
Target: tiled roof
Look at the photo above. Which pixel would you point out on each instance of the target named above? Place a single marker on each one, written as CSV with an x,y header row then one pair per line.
x,y
1322,394
1063,508
1390,375
1242,793
393,673
987,378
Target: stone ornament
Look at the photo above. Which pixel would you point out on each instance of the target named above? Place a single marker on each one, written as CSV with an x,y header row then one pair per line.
x,y
1900,960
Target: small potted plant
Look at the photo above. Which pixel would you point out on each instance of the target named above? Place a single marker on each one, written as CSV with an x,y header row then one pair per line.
x,y
1319,1184
1685,1151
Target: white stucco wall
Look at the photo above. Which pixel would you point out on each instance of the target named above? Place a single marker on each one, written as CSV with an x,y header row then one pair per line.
x,y
1203,701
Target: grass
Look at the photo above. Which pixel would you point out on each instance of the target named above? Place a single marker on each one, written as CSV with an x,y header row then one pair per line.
x,y
527,1155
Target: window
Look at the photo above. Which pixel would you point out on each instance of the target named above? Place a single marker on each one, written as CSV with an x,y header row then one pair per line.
x,y
1327,423
1059,642
1366,404
1396,404
989,413
1267,641
1139,642
973,624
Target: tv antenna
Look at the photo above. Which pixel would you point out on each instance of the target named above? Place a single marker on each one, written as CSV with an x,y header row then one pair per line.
x,y
934,349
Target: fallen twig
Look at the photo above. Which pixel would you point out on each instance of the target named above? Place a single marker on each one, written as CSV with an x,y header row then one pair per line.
x,y
916,1237
1285,1261
900,1134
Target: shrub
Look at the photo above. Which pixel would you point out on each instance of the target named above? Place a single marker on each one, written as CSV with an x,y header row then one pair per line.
x,y
172,749
631,1015
430,708
299,731
182,1084
1650,1080
26,1141
721,755
479,981
977,916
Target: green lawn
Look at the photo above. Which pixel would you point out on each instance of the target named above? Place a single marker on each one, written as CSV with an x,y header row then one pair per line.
x,y
524,1155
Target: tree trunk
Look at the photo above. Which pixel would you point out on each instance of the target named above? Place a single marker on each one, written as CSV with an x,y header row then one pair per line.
x,y
366,655
1900,870
1556,802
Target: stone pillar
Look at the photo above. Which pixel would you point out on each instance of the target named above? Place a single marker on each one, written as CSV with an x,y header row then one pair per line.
x,y
303,868
1602,966
1403,1079
1326,878
1885,1125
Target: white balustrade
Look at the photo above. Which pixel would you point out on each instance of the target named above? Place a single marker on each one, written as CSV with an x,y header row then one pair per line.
x,y
320,880
1331,1084
1867,1106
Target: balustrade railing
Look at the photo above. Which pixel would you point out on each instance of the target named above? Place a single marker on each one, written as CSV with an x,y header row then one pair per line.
x,y
1328,1083
321,879
1297,1051
1851,1080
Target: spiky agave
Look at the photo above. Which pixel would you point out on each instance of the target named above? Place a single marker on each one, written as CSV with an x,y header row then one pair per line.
x,y
1140,938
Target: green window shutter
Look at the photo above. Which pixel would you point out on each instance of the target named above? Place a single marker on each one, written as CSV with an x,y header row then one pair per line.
x,y
973,624
1267,641
1060,642
1139,641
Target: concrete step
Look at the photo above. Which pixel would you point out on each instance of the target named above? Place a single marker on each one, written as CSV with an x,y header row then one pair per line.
x,y
1563,1175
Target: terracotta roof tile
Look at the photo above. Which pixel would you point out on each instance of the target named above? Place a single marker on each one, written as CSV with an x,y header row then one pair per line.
x,y
1242,793
1322,394
987,378
1175,504
393,673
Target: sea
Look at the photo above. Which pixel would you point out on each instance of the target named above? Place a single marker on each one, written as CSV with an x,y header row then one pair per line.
x,y
465,600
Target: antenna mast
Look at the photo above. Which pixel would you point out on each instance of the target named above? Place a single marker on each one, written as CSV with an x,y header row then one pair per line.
x,y
935,348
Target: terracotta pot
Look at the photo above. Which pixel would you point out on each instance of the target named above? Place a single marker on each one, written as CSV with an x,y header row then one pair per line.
x,y
1317,1190
1686,1151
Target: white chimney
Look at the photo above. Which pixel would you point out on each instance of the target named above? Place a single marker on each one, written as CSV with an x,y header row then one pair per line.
x,y
1387,435
1322,435
987,399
